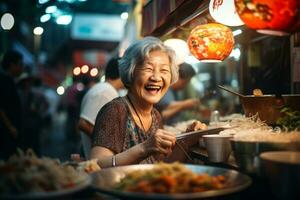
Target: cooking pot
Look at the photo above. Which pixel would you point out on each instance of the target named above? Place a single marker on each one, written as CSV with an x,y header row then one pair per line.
x,y
282,172
267,106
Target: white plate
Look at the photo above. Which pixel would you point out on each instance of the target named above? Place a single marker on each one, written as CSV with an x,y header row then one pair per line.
x,y
57,193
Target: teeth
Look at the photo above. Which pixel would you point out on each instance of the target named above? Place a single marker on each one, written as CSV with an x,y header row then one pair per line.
x,y
153,87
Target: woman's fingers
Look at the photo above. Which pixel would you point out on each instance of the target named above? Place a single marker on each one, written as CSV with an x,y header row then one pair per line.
x,y
164,141
166,144
167,136
196,125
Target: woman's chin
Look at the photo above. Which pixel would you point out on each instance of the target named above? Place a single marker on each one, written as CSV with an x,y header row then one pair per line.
x,y
153,99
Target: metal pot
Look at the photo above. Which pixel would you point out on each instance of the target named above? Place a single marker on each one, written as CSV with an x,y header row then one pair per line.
x,y
268,106
246,153
282,172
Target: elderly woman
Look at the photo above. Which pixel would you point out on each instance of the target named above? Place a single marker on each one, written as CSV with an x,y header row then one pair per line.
x,y
128,129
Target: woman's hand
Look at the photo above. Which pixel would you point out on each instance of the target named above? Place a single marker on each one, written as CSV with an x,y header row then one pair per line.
x,y
195,126
161,142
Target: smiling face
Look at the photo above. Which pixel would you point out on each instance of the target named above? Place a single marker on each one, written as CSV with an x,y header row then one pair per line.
x,y
152,79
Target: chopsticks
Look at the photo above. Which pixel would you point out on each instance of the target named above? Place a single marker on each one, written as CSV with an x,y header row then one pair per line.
x,y
184,151
200,132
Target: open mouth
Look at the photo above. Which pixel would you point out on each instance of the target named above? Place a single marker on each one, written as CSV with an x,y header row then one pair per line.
x,y
153,89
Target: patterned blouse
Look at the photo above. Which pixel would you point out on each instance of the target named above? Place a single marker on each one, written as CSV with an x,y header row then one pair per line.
x,y
116,130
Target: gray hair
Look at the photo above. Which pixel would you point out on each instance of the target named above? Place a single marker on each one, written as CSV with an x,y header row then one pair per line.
x,y
137,53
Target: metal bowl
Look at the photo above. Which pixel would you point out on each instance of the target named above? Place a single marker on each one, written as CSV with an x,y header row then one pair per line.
x,y
247,153
104,180
282,172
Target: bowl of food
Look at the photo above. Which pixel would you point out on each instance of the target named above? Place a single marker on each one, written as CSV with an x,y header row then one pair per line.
x,y
26,176
169,181
282,172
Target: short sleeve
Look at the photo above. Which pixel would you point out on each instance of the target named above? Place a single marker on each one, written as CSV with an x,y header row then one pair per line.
x,y
109,131
93,101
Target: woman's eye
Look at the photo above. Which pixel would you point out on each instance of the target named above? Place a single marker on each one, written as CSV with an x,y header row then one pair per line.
x,y
148,68
165,70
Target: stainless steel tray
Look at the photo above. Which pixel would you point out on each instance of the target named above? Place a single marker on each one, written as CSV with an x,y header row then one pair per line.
x,y
104,180
199,133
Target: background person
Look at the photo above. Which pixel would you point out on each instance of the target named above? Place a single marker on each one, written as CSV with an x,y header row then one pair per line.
x,y
95,99
10,103
170,106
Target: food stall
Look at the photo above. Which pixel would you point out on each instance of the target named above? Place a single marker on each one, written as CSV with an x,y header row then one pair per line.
x,y
269,50
224,161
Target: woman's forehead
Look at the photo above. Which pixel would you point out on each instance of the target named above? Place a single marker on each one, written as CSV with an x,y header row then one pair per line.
x,y
158,55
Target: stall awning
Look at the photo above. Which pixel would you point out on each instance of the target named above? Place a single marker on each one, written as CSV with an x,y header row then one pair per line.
x,y
161,17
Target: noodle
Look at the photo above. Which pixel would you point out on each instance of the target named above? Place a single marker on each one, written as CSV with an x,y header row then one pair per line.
x,y
26,173
169,178
252,129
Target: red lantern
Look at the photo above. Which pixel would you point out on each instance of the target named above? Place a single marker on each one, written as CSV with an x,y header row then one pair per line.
x,y
211,42
274,17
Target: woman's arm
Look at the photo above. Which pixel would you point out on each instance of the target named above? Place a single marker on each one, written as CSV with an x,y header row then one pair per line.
x,y
133,155
86,127
176,106
161,142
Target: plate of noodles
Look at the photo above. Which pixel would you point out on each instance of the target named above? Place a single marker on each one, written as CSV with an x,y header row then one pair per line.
x,y
168,181
25,176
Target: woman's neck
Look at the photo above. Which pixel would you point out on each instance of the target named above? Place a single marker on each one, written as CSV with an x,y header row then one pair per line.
x,y
143,108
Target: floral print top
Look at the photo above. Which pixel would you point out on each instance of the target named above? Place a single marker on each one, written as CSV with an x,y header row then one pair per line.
x,y
116,129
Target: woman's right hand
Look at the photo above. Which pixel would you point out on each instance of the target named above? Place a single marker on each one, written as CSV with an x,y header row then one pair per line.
x,y
160,142
191,103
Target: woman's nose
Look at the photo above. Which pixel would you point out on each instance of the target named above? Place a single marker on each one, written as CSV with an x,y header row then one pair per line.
x,y
156,76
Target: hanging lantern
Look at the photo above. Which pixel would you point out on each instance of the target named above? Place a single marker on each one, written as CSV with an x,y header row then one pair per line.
x,y
180,47
224,12
273,17
211,42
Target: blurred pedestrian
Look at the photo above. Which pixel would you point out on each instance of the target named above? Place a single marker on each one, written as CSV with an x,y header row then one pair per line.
x,y
170,105
10,103
35,106
95,99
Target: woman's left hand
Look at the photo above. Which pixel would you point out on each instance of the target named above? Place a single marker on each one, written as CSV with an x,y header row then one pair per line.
x,y
195,126
161,142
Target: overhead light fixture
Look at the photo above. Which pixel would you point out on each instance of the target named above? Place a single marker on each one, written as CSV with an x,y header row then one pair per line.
x,y
51,9
224,12
94,72
60,90
38,30
64,19
180,47
44,18
191,60
84,69
211,42
237,32
76,71
236,53
272,17
43,1
124,15
7,21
